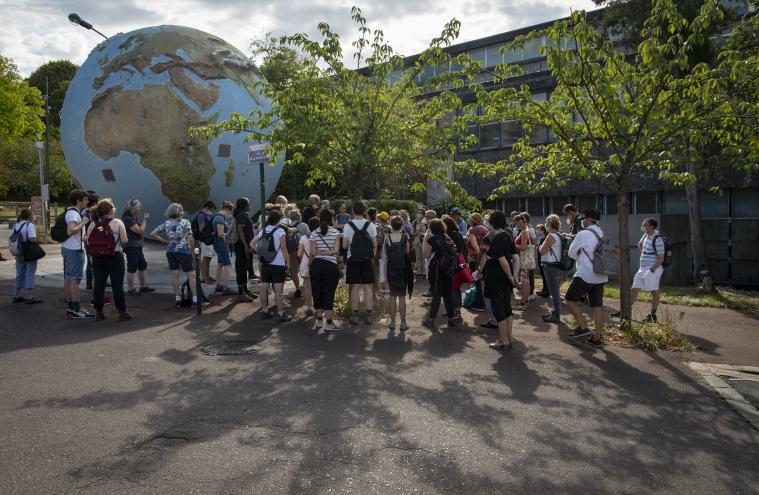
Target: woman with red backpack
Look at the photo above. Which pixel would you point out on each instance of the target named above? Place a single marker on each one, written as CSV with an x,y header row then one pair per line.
x,y
105,238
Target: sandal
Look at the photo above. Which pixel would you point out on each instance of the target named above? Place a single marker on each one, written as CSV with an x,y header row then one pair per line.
x,y
497,345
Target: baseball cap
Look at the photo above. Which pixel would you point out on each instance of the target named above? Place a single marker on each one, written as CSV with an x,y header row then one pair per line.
x,y
384,216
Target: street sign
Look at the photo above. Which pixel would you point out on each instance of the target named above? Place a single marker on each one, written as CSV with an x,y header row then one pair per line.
x,y
256,154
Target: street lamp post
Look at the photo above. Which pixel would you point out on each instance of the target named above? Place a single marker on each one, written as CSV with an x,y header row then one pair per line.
x,y
75,19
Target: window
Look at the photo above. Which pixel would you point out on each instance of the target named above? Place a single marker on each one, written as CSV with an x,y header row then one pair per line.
x,y
511,132
532,49
611,204
539,134
713,205
586,201
535,209
510,204
490,135
427,72
512,56
746,203
674,203
472,130
480,56
494,56
645,203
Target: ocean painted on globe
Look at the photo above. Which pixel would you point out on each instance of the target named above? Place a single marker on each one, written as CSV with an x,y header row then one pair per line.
x,y
126,118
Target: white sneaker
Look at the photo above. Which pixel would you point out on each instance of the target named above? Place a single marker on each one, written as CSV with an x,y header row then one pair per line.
x,y
331,327
319,322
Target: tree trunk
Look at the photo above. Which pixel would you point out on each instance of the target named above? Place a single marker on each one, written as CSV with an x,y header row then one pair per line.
x,y
623,215
701,274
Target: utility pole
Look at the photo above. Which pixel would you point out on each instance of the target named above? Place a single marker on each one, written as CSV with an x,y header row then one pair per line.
x,y
45,189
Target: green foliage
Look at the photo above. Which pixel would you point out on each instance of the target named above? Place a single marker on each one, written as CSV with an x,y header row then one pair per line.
x,y
20,106
355,129
19,177
59,74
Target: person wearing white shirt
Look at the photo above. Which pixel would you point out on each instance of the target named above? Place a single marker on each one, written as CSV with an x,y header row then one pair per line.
x,y
25,270
73,253
585,280
652,254
359,273
274,272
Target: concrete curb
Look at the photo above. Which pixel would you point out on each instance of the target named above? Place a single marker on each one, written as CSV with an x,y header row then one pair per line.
x,y
712,373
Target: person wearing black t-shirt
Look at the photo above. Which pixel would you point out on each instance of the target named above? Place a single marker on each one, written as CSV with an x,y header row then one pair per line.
x,y
242,249
441,285
500,279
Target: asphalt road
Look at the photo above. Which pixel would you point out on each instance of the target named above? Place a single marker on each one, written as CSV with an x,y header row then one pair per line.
x,y
138,408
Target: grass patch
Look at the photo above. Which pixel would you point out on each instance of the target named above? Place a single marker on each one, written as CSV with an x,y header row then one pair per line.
x,y
660,336
722,297
342,305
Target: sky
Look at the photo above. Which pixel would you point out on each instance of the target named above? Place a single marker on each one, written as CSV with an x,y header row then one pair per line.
x,y
37,31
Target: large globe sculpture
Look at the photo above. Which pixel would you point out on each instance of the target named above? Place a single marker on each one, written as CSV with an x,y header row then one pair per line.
x,y
126,118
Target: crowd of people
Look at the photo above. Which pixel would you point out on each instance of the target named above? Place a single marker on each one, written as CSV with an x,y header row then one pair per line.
x,y
483,262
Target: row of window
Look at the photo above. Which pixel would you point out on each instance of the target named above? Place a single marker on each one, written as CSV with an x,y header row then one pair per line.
x,y
744,203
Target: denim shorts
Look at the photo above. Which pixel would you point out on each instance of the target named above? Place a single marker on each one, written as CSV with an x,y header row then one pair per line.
x,y
73,263
222,251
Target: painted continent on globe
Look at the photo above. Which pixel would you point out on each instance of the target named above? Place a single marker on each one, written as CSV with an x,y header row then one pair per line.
x,y
128,111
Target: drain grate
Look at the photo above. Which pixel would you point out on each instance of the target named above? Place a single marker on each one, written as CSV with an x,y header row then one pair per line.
x,y
231,348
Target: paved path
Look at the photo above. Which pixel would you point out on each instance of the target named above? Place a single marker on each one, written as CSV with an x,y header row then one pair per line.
x,y
137,408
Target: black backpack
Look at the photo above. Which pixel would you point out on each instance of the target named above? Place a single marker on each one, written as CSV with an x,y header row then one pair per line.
x,y
206,235
292,239
59,232
667,249
397,259
449,261
361,248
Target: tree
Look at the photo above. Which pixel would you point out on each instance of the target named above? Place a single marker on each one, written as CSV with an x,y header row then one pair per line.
x,y
19,177
610,116
59,74
353,127
20,105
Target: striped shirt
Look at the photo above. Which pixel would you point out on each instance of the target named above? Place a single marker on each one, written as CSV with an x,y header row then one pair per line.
x,y
648,255
325,242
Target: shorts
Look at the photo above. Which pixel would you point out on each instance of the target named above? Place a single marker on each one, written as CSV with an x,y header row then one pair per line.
x,y
273,274
294,264
206,250
359,272
647,280
222,251
578,287
500,304
177,260
73,263
135,259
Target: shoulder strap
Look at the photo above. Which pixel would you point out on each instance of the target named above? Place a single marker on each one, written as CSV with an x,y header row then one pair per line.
x,y
653,243
353,225
365,227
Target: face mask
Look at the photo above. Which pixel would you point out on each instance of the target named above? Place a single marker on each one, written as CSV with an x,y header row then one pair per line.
x,y
419,216
643,229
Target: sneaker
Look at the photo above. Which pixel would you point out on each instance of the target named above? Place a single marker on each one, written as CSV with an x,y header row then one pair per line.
x,y
403,327
99,315
284,318
265,315
297,293
580,332
651,318
147,289
615,314
597,343
177,304
354,320
552,318
427,294
251,295
318,323
134,292
489,324
210,280
228,291
331,327
544,293
452,322
82,314
124,316
427,322
219,288
244,298
369,319
391,325
33,300
18,299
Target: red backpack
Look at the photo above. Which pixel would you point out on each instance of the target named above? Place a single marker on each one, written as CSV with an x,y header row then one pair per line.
x,y
101,240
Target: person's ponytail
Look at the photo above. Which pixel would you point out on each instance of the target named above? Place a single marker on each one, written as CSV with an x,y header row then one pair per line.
x,y
325,222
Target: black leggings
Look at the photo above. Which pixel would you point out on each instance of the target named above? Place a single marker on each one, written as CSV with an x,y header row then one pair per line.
x,y
241,267
442,288
324,278
104,267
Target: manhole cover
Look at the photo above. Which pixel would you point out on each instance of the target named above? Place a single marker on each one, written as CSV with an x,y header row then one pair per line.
x,y
231,348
